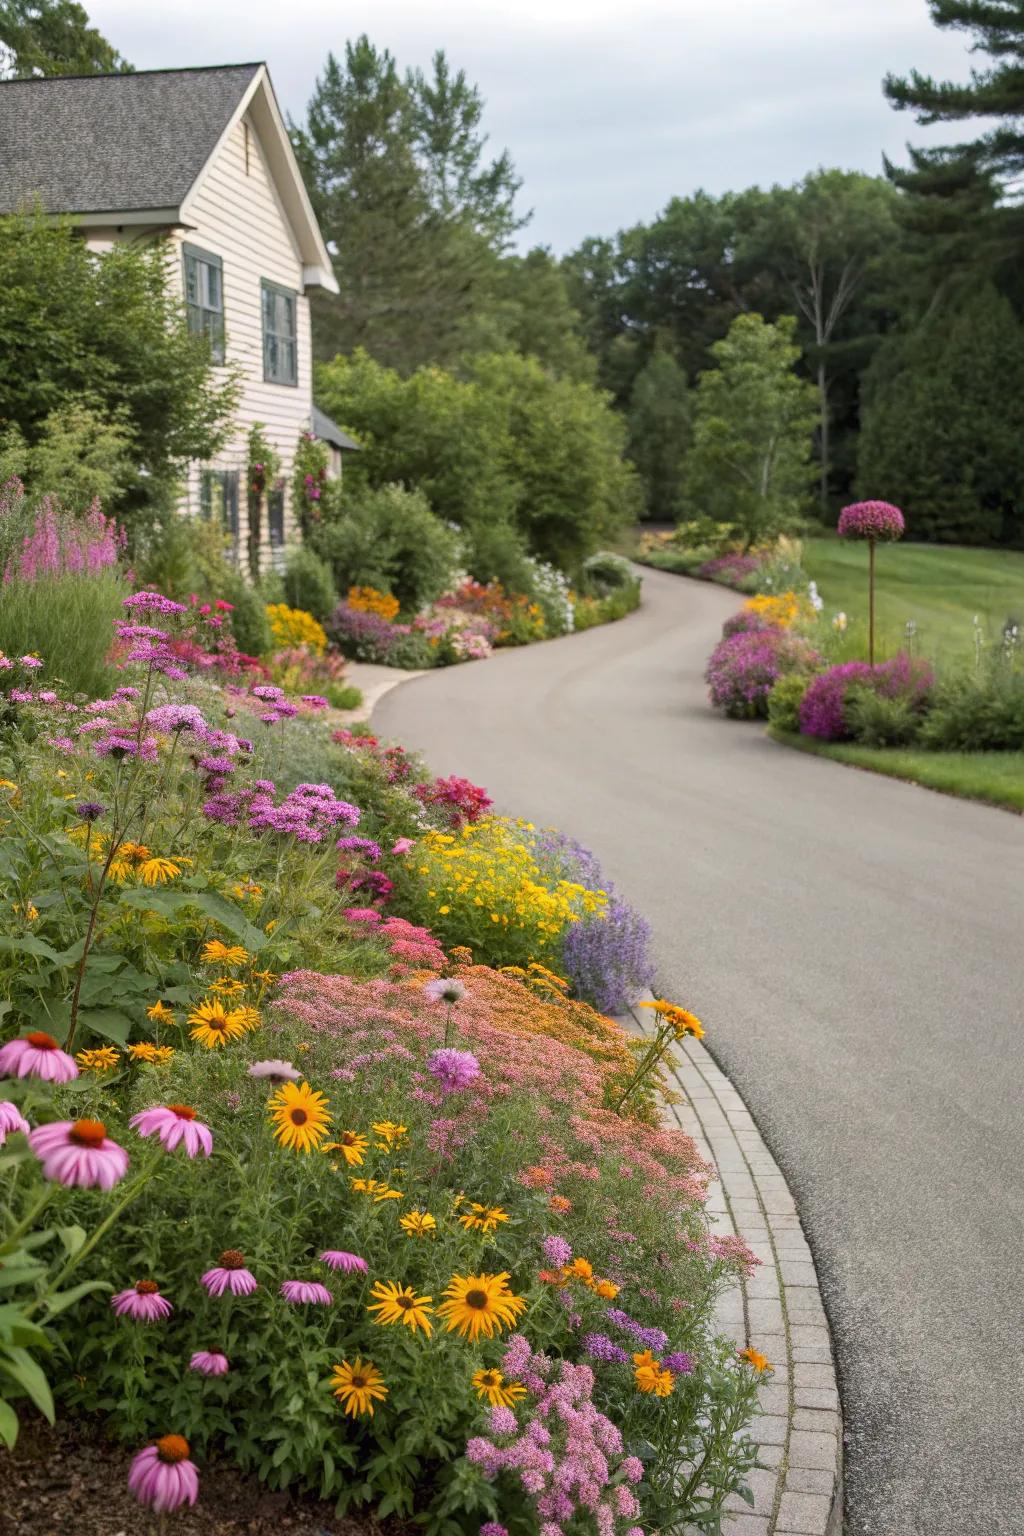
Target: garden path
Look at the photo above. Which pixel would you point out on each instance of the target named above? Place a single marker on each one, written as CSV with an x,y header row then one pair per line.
x,y
853,946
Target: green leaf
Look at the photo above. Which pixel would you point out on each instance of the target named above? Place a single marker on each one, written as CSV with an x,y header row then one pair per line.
x,y
8,1424
61,1300
170,903
20,1366
72,1238
109,1023
29,946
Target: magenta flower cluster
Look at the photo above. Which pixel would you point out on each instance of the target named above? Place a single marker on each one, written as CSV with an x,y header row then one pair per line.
x,y
57,543
823,706
730,570
568,1456
308,813
744,668
875,520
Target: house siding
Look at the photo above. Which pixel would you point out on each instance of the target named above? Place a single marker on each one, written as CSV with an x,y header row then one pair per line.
x,y
237,216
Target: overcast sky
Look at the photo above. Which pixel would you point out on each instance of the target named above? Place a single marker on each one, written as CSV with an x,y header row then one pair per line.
x,y
609,107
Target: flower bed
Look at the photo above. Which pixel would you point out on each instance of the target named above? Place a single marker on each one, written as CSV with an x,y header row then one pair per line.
x,y
301,1180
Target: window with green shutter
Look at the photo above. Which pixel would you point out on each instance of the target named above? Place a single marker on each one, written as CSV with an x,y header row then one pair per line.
x,y
218,498
204,297
280,337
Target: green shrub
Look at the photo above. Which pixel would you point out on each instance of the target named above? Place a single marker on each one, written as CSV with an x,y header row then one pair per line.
x,y
249,623
978,712
605,573
391,540
496,551
67,620
878,721
784,701
591,611
308,583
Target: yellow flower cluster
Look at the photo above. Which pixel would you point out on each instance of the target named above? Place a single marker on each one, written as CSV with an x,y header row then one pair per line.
x,y
486,883
294,626
783,609
369,600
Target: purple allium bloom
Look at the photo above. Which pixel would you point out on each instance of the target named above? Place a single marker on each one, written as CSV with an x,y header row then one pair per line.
x,y
600,1347
744,668
274,1071
454,1070
557,1251
142,1303
310,1292
349,1263
89,810
176,717
871,520
152,602
679,1362
445,989
230,1274
209,1362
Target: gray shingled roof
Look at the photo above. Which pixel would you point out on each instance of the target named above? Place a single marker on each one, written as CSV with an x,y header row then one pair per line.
x,y
325,428
102,143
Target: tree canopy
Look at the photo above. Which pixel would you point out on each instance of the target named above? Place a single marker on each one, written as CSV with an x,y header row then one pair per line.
x,y
53,37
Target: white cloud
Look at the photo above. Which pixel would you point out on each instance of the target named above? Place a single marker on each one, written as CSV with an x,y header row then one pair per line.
x,y
607,111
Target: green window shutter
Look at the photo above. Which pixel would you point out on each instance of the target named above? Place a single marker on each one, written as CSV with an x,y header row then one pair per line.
x,y
204,296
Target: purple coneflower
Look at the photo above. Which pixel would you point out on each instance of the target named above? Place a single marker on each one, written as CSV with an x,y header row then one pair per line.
x,y
274,1071
162,1477
230,1274
209,1362
11,1119
445,989
453,1069
142,1302
37,1055
337,1258
311,1291
174,1123
78,1153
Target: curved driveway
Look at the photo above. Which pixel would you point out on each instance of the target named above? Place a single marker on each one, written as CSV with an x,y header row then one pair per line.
x,y
855,948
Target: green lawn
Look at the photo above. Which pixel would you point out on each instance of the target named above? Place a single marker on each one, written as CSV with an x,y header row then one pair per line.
x,y
996,777
940,587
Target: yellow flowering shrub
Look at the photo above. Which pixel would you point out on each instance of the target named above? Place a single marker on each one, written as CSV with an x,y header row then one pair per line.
x,y
486,886
369,600
294,626
783,609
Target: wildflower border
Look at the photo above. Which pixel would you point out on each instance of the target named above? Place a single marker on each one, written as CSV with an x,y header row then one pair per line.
x,y
798,1488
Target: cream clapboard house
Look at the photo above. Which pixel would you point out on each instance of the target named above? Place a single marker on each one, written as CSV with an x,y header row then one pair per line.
x,y
201,158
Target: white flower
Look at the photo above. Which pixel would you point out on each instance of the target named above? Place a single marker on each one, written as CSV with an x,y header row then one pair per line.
x,y
839,622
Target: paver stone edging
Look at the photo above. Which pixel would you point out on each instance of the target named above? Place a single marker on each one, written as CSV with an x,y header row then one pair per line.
x,y
778,1311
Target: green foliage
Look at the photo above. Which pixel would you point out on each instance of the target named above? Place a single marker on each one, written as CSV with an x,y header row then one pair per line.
x,y
67,620
784,701
53,37
262,469
943,425
590,611
979,711
311,490
753,420
497,552
605,573
878,721
659,417
79,456
308,583
390,539
108,331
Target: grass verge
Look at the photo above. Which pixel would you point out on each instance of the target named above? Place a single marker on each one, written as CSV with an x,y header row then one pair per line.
x,y
996,778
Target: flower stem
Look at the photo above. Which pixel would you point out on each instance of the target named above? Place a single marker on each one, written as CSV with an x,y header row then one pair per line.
x,y
13,1238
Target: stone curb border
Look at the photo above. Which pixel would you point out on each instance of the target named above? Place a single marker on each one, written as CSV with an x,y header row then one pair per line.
x,y
778,1311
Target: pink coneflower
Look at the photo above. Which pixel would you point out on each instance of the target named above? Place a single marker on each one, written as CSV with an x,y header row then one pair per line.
x,y
274,1071
445,989
162,1477
79,1153
453,1069
37,1055
174,1123
337,1258
311,1291
142,1302
209,1362
230,1274
11,1119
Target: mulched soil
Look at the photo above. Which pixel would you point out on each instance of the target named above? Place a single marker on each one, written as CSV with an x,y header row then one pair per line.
x,y
70,1480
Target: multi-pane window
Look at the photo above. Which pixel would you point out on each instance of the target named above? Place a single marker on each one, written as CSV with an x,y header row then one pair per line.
x,y
218,498
275,516
204,297
280,345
